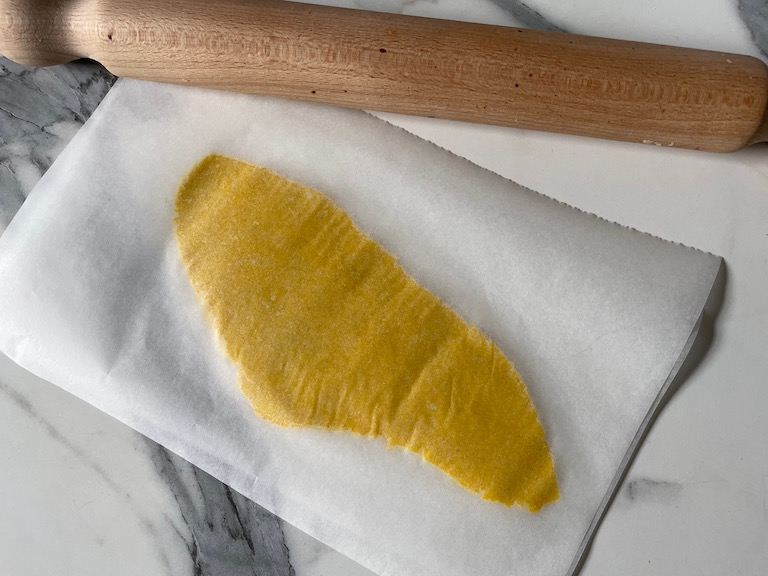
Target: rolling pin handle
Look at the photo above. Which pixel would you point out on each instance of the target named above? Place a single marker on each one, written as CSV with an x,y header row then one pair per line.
x,y
39,33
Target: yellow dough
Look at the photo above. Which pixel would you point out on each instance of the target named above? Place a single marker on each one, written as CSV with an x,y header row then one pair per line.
x,y
327,330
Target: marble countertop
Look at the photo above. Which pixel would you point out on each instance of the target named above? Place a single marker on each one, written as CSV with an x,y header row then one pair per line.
x,y
84,494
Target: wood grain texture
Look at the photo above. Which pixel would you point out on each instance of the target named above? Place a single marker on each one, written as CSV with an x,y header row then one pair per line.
x,y
471,72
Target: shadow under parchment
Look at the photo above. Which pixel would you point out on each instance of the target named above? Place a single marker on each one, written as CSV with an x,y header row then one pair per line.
x,y
692,360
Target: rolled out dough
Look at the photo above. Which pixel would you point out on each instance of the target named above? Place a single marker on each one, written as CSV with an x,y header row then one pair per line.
x,y
327,330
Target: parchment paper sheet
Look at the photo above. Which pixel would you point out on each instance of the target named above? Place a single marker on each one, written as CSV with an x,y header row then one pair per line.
x,y
93,297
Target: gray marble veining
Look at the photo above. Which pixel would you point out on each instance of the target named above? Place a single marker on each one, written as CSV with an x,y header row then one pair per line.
x,y
526,15
23,402
40,111
651,490
154,522
225,533
754,13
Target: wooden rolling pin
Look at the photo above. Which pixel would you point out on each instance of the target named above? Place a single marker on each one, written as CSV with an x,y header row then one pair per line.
x,y
489,74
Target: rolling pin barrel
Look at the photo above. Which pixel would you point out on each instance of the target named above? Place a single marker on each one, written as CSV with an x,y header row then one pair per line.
x,y
471,72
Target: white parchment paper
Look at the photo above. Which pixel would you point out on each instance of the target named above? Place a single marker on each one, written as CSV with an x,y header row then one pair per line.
x,y
94,298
